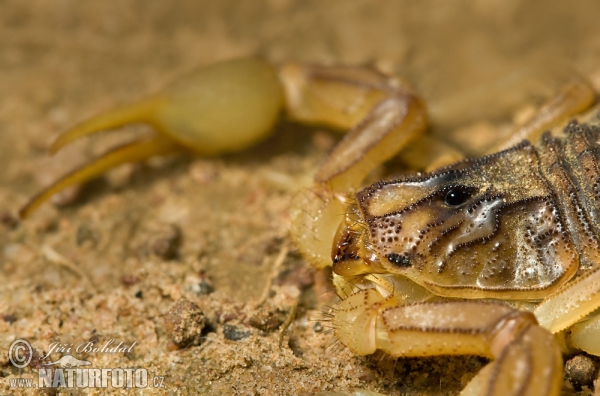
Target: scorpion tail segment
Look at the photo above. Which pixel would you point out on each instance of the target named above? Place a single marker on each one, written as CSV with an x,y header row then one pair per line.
x,y
142,111
132,152
388,127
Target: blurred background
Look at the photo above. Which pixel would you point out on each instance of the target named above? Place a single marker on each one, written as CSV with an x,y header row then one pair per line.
x,y
63,60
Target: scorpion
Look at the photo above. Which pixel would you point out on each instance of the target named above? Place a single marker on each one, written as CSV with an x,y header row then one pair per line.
x,y
497,256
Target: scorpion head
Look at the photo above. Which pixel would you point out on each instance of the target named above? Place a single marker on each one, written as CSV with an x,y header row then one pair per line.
x,y
478,226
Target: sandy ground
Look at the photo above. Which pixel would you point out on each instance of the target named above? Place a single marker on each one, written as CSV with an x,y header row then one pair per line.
x,y
112,262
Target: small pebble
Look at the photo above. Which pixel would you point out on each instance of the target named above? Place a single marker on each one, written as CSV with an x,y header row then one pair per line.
x,y
184,323
9,220
301,277
232,333
85,234
10,319
205,287
203,172
165,244
580,371
266,320
129,280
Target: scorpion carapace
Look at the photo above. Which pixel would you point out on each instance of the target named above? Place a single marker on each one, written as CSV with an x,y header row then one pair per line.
x,y
514,224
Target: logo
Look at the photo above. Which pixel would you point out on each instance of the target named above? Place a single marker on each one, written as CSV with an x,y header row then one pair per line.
x,y
20,353
71,372
68,361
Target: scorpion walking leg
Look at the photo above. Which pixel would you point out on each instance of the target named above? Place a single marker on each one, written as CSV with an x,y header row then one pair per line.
x,y
572,99
585,335
571,303
527,361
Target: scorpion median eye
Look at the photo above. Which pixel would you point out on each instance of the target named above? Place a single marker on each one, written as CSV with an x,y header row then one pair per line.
x,y
456,197
398,259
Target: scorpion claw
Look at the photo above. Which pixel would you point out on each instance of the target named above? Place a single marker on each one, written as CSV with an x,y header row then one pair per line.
x,y
131,152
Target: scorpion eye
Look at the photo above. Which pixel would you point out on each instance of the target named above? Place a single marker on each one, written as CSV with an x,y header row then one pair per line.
x,y
456,196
